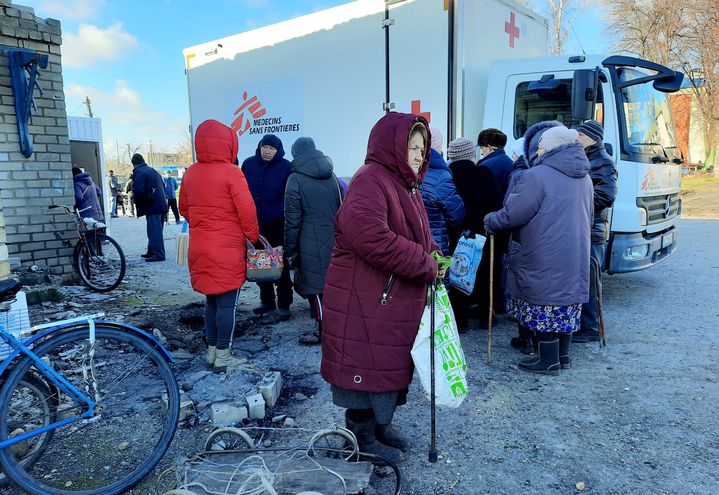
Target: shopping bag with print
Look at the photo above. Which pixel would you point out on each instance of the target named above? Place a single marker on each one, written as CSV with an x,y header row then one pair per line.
x,y
467,256
450,367
264,265
183,245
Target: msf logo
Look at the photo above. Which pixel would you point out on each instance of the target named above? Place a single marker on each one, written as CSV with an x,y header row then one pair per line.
x,y
254,109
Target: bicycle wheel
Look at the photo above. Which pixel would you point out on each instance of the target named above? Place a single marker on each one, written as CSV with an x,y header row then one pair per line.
x,y
35,396
100,262
135,418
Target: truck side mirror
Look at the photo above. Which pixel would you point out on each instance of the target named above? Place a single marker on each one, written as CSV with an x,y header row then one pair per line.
x,y
584,94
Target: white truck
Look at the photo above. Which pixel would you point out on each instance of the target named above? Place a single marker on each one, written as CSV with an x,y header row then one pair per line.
x,y
465,65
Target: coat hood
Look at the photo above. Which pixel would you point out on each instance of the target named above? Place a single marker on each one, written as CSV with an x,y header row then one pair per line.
x,y
567,158
276,143
436,160
215,142
84,178
531,139
388,146
313,164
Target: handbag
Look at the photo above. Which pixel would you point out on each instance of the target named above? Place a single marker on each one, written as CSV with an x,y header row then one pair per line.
x,y
264,265
450,367
467,255
183,245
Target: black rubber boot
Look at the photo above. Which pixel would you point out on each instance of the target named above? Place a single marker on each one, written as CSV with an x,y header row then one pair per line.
x,y
523,343
547,363
564,340
389,436
368,443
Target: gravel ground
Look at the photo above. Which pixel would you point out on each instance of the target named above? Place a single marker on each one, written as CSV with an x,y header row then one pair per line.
x,y
638,416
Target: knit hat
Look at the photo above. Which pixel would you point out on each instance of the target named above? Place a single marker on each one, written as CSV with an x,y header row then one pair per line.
x,y
592,129
437,139
557,136
137,159
303,145
518,147
461,149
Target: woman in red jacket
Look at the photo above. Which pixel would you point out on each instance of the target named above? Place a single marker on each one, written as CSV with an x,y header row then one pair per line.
x,y
216,202
376,284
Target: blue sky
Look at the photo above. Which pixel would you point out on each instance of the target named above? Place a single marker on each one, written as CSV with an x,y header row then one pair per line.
x,y
126,55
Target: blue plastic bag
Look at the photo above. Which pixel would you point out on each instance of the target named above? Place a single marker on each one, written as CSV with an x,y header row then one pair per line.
x,y
467,256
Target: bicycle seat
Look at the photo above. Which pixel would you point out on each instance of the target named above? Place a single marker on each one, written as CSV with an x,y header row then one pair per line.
x,y
93,224
8,289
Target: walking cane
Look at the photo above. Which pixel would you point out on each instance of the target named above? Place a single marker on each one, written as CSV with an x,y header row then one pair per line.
x,y
433,440
491,297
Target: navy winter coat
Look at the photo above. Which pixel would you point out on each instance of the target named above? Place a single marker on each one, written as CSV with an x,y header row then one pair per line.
x,y
87,197
148,191
604,178
552,208
445,208
501,166
267,181
312,199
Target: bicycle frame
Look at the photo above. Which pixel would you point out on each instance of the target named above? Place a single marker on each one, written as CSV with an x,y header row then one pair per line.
x,y
79,397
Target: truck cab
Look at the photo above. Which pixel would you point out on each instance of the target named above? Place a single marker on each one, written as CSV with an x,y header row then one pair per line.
x,y
628,97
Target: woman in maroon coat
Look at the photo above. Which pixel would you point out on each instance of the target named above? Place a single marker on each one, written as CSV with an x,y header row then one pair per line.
x,y
376,284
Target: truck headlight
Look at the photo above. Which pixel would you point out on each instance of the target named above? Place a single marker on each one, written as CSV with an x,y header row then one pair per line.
x,y
636,252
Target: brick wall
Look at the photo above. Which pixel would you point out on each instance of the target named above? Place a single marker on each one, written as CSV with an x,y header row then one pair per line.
x,y
28,185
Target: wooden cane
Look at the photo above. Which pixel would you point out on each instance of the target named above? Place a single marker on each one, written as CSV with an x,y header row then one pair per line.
x,y
491,297
432,457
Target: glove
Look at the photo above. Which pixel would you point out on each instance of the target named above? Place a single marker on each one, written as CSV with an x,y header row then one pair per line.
x,y
487,228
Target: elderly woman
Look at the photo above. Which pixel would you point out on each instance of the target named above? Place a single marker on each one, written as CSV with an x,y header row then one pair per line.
x,y
548,277
376,285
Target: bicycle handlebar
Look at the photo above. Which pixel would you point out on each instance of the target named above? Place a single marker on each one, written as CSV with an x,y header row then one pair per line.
x,y
70,210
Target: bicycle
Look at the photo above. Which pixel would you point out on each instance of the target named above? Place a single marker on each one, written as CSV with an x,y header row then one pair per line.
x,y
87,406
97,257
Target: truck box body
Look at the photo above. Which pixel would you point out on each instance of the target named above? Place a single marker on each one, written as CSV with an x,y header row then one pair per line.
x,y
323,75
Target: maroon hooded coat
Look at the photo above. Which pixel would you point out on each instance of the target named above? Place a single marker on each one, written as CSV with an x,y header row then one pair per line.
x,y
376,284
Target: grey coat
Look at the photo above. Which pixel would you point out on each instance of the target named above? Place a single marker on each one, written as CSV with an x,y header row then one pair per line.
x,y
552,208
312,198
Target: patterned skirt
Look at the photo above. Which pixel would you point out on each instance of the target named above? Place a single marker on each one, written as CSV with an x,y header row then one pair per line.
x,y
545,318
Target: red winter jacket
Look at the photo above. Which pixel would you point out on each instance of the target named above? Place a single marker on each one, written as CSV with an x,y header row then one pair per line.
x,y
376,283
216,202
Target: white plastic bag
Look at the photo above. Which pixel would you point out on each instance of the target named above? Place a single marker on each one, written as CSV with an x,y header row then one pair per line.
x,y
467,256
450,367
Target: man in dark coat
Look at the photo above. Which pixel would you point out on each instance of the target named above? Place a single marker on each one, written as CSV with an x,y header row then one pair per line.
x,y
171,193
267,173
148,192
481,195
604,178
492,143
312,198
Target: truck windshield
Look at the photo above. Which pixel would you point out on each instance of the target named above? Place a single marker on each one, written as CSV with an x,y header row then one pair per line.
x,y
649,128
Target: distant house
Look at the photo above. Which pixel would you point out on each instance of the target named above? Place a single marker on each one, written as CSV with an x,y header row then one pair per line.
x,y
689,124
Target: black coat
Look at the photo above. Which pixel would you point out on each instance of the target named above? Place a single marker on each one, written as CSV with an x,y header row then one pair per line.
x,y
267,181
479,190
148,191
604,178
312,198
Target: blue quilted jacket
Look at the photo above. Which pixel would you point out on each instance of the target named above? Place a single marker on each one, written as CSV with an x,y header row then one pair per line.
x,y
444,207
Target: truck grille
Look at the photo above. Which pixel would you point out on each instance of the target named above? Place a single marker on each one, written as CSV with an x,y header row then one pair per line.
x,y
660,208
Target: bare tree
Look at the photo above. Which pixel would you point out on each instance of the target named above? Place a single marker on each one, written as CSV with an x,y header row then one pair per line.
x,y
561,14
682,34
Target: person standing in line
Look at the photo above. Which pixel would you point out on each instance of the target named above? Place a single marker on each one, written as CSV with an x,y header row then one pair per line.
x,y
87,195
312,198
114,186
548,277
604,178
218,206
130,196
171,192
148,192
376,285
267,172
491,143
480,194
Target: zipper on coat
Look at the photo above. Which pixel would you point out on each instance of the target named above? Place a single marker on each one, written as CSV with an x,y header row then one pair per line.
x,y
419,214
386,291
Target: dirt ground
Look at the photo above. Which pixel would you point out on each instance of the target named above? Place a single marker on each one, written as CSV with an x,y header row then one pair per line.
x,y
638,416
700,196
